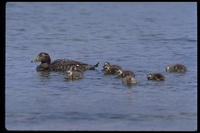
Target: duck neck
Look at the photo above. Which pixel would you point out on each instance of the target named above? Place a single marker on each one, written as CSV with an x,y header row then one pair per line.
x,y
44,64
47,61
42,67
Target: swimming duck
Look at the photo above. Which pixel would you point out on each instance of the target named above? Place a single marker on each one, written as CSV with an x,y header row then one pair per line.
x,y
155,76
176,68
113,67
77,68
59,64
110,70
123,73
129,80
74,74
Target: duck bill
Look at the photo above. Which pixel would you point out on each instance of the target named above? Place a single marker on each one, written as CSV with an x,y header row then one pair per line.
x,y
37,59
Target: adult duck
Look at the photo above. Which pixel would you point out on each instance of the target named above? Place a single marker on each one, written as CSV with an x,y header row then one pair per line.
x,y
59,64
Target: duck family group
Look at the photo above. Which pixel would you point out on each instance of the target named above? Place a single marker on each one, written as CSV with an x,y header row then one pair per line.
x,y
74,70
128,77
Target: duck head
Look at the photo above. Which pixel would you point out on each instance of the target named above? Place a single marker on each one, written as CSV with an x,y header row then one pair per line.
x,y
43,58
149,77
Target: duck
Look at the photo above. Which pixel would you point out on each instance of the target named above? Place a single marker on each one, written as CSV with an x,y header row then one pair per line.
x,y
74,74
176,68
110,70
59,64
156,77
77,68
129,80
113,67
123,73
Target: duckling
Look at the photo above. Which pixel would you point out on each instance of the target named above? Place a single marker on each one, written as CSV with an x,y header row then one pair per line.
x,y
110,69
77,68
155,76
74,74
123,73
107,64
176,68
129,80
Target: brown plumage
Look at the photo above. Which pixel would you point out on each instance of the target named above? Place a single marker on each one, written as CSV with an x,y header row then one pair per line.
x,y
74,74
176,68
155,76
129,80
59,64
111,69
123,73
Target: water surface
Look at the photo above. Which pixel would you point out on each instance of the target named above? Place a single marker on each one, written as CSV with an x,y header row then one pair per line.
x,y
138,36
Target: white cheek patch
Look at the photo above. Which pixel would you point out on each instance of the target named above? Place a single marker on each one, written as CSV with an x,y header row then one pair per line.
x,y
69,72
120,71
106,67
106,64
167,68
133,80
149,76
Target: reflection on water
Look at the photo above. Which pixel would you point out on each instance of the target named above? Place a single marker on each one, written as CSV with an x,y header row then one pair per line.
x,y
45,74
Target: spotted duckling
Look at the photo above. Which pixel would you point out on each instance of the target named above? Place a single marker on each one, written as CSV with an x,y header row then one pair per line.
x,y
74,74
77,68
176,68
110,70
113,68
156,77
59,64
129,80
123,73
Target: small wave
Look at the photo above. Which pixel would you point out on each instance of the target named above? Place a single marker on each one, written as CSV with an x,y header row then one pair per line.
x,y
154,38
179,39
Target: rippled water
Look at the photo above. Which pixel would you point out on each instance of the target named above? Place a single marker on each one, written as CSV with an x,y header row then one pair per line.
x,y
142,37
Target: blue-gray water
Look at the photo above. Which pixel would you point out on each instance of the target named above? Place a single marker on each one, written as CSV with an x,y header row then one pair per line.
x,y
142,37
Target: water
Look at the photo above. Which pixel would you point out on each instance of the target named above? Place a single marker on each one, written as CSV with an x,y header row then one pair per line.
x,y
142,37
